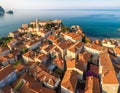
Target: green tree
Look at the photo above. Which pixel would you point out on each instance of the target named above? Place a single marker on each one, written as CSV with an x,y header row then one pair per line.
x,y
24,50
65,28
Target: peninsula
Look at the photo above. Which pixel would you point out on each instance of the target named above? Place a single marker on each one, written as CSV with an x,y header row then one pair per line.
x,y
48,57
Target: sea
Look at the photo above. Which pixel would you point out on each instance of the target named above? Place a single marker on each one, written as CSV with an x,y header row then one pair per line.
x,y
98,23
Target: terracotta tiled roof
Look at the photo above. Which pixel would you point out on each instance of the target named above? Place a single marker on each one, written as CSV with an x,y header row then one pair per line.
x,y
20,67
46,90
57,49
109,77
59,62
20,45
30,85
30,43
3,49
6,89
46,77
41,56
35,89
92,85
96,47
44,45
49,48
77,38
74,36
70,80
29,64
84,56
65,45
105,60
117,50
6,71
43,74
30,54
74,48
72,63
9,56
3,59
52,38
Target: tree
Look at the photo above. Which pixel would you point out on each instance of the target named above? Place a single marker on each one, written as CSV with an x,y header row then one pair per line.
x,y
24,50
31,25
47,26
58,71
65,28
87,40
4,41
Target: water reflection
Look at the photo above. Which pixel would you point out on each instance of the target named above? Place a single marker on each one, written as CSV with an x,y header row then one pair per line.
x,y
2,15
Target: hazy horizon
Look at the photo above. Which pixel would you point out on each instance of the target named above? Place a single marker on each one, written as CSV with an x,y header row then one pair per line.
x,y
61,4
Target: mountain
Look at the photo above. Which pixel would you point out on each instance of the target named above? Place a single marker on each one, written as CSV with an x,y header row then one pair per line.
x,y
2,10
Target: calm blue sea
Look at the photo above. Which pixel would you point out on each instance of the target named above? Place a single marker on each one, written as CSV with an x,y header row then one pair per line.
x,y
95,23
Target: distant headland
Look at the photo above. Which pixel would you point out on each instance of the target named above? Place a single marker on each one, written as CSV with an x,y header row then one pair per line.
x,y
9,12
2,11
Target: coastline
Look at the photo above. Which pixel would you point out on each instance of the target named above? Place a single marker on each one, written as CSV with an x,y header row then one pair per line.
x,y
94,25
91,37
94,38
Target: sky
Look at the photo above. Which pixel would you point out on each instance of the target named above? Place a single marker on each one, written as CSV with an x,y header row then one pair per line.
x,y
59,4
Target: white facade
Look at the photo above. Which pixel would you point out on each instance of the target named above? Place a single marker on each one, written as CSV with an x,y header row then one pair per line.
x,y
109,45
65,90
27,59
71,54
110,88
45,34
34,45
91,50
52,86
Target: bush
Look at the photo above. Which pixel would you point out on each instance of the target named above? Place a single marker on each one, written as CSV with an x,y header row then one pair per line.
x,y
24,50
5,40
17,63
65,28
58,71
47,26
